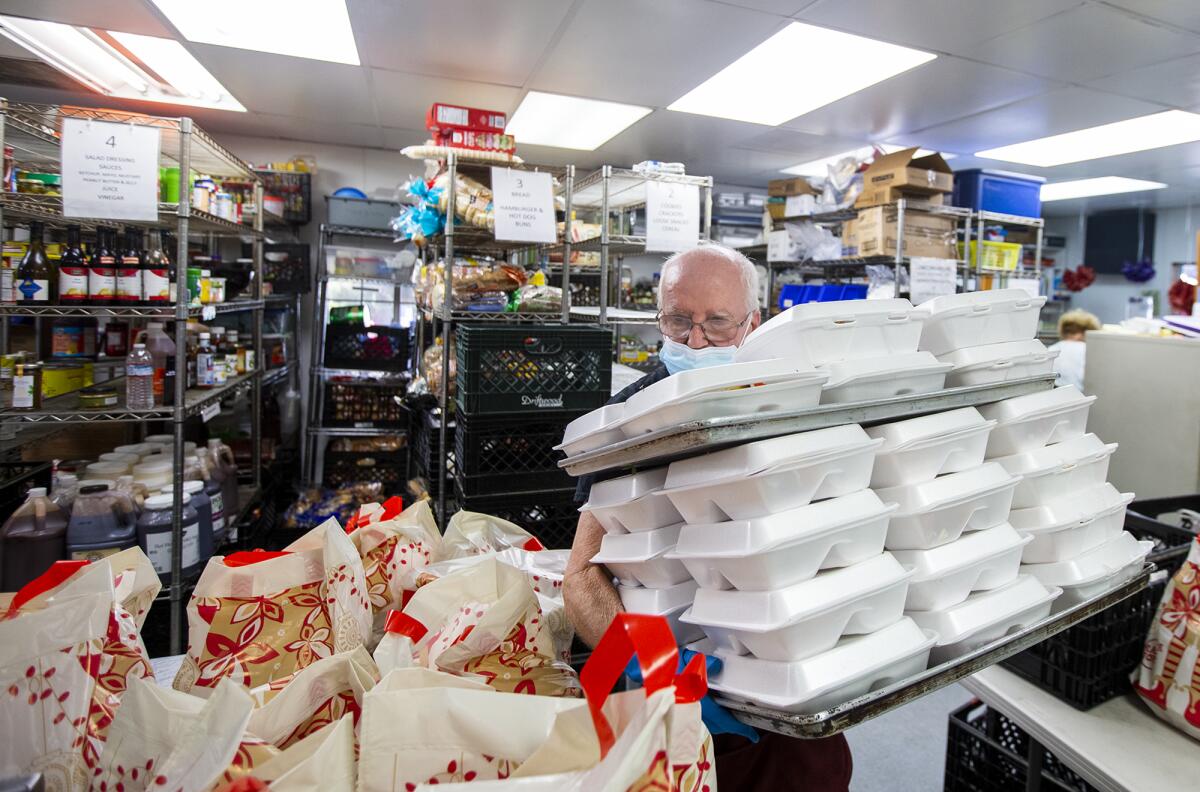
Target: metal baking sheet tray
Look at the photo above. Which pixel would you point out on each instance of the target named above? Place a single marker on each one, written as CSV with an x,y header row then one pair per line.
x,y
838,719
699,437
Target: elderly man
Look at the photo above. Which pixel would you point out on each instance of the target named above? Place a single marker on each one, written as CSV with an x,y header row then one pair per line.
x,y
708,304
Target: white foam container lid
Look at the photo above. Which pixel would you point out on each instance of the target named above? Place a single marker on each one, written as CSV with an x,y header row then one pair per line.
x,y
855,666
979,561
979,318
657,602
647,513
820,333
953,451
899,434
1096,564
633,547
932,513
994,363
1056,470
750,458
868,379
623,489
596,429
688,384
1072,524
1029,422
1019,408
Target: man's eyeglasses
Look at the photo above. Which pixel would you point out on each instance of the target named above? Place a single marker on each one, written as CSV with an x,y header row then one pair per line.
x,y
718,329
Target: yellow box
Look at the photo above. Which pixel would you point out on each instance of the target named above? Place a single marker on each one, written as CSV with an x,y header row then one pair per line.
x,y
995,255
60,379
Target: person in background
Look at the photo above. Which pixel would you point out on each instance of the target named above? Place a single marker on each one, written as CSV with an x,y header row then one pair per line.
x,y
707,305
1072,327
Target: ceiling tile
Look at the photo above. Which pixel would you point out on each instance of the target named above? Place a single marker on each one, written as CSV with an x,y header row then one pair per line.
x,y
933,93
290,128
128,16
1184,13
403,99
1086,43
1175,82
786,8
649,53
801,144
933,24
497,42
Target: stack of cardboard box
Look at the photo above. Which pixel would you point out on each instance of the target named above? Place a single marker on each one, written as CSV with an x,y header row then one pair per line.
x,y
888,179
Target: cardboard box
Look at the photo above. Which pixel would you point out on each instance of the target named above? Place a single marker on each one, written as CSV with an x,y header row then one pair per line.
x,y
902,174
925,234
794,186
776,210
850,238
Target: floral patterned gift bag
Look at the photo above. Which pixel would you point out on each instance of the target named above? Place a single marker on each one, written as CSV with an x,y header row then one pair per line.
x,y
472,533
321,762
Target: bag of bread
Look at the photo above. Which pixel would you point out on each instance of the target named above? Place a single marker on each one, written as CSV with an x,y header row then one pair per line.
x,y
1168,679
257,616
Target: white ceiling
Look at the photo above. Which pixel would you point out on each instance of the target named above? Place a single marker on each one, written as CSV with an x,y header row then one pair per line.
x,y
1007,71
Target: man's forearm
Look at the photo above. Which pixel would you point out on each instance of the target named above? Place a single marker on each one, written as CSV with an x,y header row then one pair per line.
x,y
591,601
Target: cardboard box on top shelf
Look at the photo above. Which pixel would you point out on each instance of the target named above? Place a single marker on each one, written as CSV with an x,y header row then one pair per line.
x,y
925,234
903,174
797,185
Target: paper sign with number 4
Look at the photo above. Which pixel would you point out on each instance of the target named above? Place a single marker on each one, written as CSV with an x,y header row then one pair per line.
x,y
109,170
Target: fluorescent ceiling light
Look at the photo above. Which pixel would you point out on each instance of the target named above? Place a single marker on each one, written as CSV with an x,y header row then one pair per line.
x,y
750,88
1109,140
820,167
315,29
122,65
1104,185
569,121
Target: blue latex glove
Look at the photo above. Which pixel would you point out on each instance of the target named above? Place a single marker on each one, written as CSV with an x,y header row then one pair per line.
x,y
716,718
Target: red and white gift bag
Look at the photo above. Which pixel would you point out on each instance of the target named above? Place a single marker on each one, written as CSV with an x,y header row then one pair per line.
x,y
321,762
472,533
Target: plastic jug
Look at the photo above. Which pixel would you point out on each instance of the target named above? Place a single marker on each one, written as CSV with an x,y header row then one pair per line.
x,y
214,488
154,535
32,539
137,491
160,346
203,506
222,456
102,522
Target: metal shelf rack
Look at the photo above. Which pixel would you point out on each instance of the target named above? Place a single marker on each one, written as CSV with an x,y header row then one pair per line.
x,y
34,134
984,219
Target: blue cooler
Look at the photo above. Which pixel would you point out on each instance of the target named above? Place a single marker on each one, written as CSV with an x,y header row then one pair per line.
x,y
999,191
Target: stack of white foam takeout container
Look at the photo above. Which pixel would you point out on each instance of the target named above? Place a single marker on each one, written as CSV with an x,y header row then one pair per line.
x,y
821,565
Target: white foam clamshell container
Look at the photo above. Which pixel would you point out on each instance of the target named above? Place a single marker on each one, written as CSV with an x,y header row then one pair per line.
x,y
946,575
995,363
670,603
936,512
839,468
1026,423
637,559
972,319
869,379
1057,470
807,618
593,430
633,503
786,547
1095,571
819,333
855,666
1071,525
918,449
986,616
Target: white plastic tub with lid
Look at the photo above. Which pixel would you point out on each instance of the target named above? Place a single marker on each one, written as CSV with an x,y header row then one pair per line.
x,y
1026,423
1095,571
936,512
815,334
971,319
670,603
632,503
986,616
637,559
1057,470
786,547
946,575
110,471
154,474
160,438
806,618
872,379
143,450
114,456
995,363
857,665
596,429
1071,525
919,449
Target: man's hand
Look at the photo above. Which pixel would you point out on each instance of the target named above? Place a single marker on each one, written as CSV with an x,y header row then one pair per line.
x,y
590,598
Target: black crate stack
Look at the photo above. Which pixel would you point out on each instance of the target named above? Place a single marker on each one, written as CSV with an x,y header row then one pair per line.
x,y
517,389
424,442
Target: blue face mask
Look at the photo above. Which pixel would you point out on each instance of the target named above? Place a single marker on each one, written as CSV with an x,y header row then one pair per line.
x,y
679,357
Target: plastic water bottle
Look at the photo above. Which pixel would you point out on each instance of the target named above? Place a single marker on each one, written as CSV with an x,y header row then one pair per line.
x,y
139,379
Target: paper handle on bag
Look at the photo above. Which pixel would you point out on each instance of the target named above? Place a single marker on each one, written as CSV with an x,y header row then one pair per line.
x,y
649,638
58,572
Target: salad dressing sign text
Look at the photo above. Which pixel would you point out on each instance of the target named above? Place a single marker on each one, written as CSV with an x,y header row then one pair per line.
x,y
524,205
109,170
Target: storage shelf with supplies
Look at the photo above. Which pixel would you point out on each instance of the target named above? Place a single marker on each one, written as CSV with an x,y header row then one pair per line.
x,y
130,312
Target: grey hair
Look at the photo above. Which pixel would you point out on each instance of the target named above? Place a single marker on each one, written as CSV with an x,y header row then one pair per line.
x,y
746,269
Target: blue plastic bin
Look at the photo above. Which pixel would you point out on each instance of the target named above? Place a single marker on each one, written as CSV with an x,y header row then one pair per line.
x,y
830,292
854,291
999,191
790,294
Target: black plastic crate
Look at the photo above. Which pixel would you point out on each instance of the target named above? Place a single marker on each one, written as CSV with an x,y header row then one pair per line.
x,y
1185,511
532,369
291,274
295,188
16,479
506,455
424,443
987,752
375,348
550,516
1090,663
365,405
389,468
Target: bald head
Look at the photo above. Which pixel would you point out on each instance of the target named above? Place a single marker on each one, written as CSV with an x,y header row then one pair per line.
x,y
708,282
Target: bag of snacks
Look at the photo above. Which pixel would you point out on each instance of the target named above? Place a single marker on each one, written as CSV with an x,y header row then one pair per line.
x,y
321,762
257,616
1168,679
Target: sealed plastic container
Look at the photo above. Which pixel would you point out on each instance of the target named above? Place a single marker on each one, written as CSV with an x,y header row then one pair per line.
x,y
936,512
979,561
1059,469
918,449
995,363
31,540
670,603
596,429
807,618
986,190
872,379
856,665
1069,526
106,471
1095,571
816,334
638,559
154,473
786,547
972,319
154,535
143,450
128,459
103,522
221,460
203,506
1026,423
632,503
986,616
160,439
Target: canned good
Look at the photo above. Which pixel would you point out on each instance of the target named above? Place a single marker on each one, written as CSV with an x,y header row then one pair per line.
x,y
97,397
